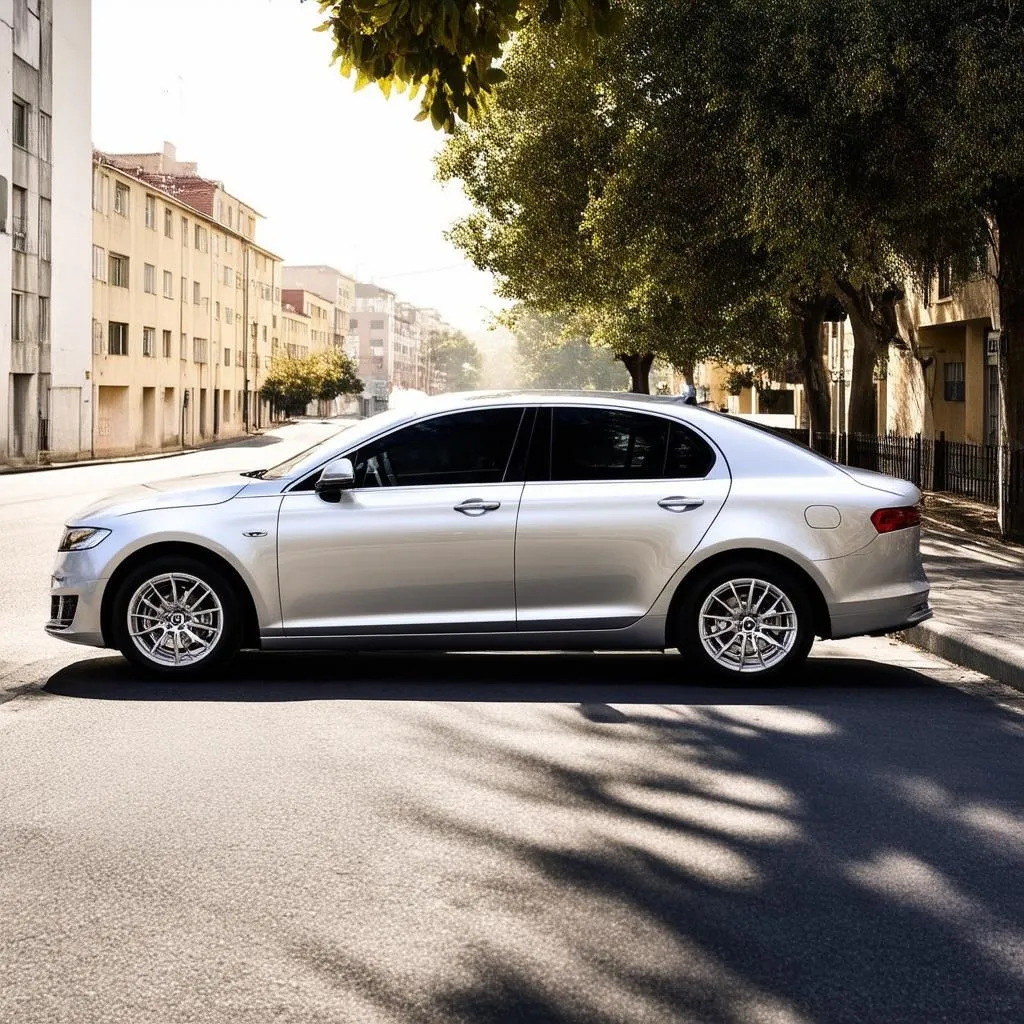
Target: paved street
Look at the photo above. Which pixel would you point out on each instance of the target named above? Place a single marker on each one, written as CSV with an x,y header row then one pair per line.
x,y
526,838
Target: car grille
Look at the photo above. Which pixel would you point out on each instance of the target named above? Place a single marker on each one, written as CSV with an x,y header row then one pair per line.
x,y
62,611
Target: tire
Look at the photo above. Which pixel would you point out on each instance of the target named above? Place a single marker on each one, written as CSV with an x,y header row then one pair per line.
x,y
207,618
753,647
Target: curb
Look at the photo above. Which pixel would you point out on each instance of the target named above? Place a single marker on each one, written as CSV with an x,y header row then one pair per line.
x,y
149,457
989,655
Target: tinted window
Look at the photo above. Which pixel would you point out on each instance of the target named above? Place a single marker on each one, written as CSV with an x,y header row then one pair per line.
x,y
689,455
606,444
463,448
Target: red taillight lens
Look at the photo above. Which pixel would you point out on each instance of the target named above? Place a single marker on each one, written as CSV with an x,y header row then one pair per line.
x,y
885,520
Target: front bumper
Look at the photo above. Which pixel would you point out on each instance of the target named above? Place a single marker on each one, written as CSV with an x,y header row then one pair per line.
x,y
75,607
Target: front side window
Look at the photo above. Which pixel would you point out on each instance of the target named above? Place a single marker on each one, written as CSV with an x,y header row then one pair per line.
x,y
616,444
461,448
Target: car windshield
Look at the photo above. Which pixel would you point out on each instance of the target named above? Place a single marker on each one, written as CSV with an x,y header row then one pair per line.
x,y
344,439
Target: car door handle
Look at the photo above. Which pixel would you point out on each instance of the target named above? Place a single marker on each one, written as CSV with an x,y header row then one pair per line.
x,y
680,504
477,506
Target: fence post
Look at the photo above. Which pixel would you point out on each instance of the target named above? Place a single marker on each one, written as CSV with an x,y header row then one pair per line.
x,y
939,463
917,459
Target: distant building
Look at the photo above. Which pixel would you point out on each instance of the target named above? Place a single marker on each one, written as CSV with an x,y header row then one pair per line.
x,y
372,338
45,352
319,313
185,305
331,284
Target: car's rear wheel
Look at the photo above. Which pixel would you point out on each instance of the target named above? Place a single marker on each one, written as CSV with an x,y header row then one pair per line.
x,y
176,616
749,621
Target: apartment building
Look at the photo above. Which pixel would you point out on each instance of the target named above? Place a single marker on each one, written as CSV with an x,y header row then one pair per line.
x,y
329,283
318,313
951,384
410,356
184,305
372,338
44,230
293,333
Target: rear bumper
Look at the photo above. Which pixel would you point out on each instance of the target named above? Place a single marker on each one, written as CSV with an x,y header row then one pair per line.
x,y
882,615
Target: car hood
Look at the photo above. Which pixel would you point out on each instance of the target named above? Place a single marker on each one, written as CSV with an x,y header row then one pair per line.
x,y
183,492
910,494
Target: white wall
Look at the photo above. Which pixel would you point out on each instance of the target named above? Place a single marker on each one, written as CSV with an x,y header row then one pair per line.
x,y
71,303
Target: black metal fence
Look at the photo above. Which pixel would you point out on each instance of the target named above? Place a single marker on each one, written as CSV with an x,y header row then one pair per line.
x,y
970,470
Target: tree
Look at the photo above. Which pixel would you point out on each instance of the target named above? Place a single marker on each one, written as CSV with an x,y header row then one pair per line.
x,y
456,360
448,48
549,358
292,384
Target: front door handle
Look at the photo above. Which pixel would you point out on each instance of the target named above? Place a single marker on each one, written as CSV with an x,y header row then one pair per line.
x,y
477,506
680,504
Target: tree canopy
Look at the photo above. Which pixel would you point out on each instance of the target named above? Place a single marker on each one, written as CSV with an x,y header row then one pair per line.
x,y
456,359
293,384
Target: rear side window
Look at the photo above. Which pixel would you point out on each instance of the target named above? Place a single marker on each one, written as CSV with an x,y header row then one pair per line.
x,y
616,444
460,448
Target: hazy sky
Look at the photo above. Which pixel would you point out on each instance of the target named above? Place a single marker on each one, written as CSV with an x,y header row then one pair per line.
x,y
245,88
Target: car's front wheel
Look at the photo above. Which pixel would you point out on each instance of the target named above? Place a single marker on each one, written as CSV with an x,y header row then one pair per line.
x,y
176,616
749,621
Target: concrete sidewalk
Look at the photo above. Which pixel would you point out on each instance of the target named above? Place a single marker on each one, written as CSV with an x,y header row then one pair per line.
x,y
977,592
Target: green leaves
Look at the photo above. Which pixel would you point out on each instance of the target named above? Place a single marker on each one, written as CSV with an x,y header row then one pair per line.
x,y
450,46
292,384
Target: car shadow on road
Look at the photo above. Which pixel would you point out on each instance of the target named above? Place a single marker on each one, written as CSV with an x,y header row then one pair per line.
x,y
585,679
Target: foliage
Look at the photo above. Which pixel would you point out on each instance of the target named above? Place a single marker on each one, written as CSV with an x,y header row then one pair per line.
x,y
456,359
292,384
736,380
548,357
449,48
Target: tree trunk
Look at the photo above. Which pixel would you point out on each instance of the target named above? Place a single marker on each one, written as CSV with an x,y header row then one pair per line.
x,y
639,371
867,344
1009,217
808,317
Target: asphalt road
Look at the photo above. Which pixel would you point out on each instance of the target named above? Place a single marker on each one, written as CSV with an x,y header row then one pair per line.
x,y
522,838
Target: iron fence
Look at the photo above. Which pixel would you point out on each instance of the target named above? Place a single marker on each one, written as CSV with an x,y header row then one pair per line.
x,y
970,470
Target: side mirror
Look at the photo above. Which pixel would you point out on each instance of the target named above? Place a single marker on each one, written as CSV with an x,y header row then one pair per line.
x,y
337,476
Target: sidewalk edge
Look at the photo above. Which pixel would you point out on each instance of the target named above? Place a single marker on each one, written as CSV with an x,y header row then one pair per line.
x,y
967,650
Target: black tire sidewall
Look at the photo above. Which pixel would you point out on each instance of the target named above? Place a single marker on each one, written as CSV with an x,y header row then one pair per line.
x,y
685,628
229,641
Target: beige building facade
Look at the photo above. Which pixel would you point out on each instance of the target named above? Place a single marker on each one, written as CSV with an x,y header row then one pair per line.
x,y
184,306
337,288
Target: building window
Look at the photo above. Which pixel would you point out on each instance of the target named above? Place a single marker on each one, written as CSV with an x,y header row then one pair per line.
x,y
44,318
376,325
184,232
117,339
148,341
17,316
44,229
45,137
229,276
216,244
206,304
216,311
227,357
19,218
149,279
122,199
238,279
168,285
117,274
945,284
167,344
229,316
953,375
168,222
196,294
202,239
99,263
239,359
199,350
229,245
19,124
99,190
151,212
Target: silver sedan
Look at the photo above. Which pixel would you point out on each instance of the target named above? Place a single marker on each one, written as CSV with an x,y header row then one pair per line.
x,y
504,521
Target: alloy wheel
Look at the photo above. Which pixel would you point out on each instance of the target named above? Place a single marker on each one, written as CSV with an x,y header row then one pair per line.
x,y
747,625
175,619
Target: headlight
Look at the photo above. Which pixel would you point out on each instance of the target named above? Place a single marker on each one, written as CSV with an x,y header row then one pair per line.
x,y
79,538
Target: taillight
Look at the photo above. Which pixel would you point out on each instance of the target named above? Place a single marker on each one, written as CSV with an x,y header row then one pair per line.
x,y
885,520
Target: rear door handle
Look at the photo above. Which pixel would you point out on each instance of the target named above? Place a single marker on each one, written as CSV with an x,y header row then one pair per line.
x,y
677,503
477,506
